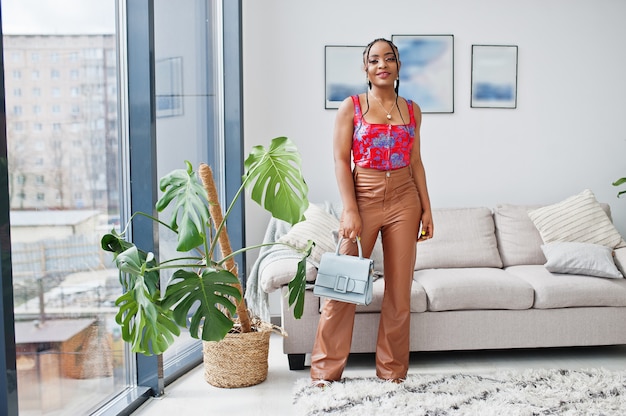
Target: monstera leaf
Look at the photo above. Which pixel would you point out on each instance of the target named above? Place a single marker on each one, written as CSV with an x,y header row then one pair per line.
x,y
146,324
297,285
211,291
190,215
276,180
131,262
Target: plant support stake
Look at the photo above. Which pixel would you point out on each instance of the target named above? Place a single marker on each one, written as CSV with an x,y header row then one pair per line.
x,y
206,175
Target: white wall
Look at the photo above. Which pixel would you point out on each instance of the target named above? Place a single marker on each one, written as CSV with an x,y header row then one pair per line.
x,y
568,132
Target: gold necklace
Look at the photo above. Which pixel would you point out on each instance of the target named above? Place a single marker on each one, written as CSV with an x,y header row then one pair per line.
x,y
383,107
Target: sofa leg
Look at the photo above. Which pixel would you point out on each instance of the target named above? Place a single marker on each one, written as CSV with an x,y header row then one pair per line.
x,y
296,361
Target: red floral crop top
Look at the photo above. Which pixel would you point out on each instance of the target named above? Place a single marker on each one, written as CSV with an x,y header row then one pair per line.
x,y
381,146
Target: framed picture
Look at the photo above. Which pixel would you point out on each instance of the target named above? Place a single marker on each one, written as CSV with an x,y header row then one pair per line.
x,y
427,71
169,87
494,76
344,74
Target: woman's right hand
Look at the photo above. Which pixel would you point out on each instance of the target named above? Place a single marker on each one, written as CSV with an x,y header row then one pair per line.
x,y
350,225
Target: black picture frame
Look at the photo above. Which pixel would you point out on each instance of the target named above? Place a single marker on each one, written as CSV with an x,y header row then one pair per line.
x,y
494,76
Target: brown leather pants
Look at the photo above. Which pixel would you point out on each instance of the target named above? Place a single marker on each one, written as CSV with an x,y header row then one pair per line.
x,y
388,202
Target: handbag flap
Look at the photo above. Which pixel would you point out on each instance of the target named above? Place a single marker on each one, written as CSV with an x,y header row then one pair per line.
x,y
344,273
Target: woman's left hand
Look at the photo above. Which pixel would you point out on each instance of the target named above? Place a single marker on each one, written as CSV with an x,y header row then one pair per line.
x,y
428,228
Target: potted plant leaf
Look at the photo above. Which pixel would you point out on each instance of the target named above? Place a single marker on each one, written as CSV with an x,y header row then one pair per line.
x,y
203,293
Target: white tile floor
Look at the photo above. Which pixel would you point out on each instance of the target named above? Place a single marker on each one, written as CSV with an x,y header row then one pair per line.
x,y
191,395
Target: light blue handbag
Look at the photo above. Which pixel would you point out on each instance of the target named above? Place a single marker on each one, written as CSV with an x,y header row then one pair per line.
x,y
345,278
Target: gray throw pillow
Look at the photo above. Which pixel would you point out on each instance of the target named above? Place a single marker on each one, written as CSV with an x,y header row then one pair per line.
x,y
580,258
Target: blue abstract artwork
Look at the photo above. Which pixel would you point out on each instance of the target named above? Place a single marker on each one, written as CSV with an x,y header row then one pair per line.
x,y
345,75
494,76
427,71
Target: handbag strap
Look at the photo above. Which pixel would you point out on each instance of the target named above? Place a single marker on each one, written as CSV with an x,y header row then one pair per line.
x,y
358,243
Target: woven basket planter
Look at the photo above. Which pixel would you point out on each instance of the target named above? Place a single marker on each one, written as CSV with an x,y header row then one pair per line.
x,y
239,360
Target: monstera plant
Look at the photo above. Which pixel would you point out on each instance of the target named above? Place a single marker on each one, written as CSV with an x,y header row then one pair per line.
x,y
619,182
203,293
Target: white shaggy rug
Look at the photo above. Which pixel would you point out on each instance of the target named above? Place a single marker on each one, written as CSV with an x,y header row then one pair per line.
x,y
511,393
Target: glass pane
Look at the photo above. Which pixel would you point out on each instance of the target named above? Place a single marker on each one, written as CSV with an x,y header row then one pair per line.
x,y
187,109
63,148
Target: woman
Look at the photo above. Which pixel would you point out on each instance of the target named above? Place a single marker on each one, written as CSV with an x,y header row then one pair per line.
x,y
386,192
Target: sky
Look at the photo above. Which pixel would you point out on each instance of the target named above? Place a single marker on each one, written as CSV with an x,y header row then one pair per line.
x,y
58,17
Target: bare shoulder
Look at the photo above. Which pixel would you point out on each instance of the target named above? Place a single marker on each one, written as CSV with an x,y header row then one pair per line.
x,y
416,107
417,111
346,108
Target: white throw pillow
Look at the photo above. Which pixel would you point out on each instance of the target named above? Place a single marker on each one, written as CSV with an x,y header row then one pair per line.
x,y
580,258
317,226
578,218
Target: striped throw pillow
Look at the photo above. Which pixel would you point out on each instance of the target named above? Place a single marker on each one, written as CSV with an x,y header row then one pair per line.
x,y
317,226
579,218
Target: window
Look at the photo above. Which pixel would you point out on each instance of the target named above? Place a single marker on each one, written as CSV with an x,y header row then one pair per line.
x,y
53,182
92,53
86,179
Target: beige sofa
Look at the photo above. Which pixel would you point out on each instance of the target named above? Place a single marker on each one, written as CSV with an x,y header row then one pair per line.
x,y
482,282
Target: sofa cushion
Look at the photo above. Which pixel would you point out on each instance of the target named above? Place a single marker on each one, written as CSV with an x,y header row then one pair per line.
x,y
317,226
577,218
580,258
519,241
474,288
418,298
553,290
464,237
